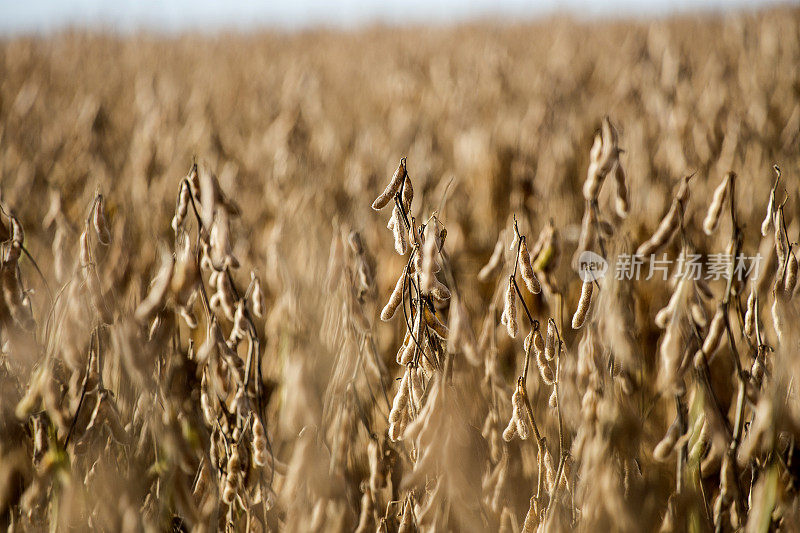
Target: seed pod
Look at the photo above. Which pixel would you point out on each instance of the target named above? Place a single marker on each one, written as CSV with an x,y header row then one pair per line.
x,y
790,279
511,430
185,276
427,275
550,344
398,231
780,246
224,297
219,239
259,443
99,221
526,269
411,347
495,261
17,238
398,416
205,404
548,377
229,490
777,320
520,414
727,479
699,360
501,480
666,445
407,521
85,255
415,384
757,370
532,517
610,151
395,299
583,305
750,315
715,209
663,233
15,299
586,238
594,178
408,194
663,316
355,243
549,470
439,291
238,330
182,207
526,344
433,322
698,315
546,250
158,291
715,331
771,205
509,317
257,297
552,401
703,289
394,186
621,200
234,466
538,341
588,364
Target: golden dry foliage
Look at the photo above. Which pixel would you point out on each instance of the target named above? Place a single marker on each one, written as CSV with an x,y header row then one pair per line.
x,y
225,305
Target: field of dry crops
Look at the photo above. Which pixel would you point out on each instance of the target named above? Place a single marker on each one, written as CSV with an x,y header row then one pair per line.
x,y
226,306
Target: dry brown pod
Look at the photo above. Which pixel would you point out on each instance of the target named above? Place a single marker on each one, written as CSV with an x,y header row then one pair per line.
x,y
158,291
398,416
666,445
407,194
526,269
509,316
552,342
750,315
621,205
257,297
495,261
394,185
99,221
520,415
584,303
715,332
397,227
790,280
771,204
395,299
181,208
717,201
669,224
548,376
666,228
586,237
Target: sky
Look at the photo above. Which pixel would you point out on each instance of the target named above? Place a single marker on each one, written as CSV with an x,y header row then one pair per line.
x,y
45,16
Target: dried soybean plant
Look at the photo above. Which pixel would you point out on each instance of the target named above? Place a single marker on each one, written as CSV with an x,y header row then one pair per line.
x,y
117,382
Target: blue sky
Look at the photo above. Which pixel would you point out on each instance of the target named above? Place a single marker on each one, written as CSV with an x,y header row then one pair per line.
x,y
42,16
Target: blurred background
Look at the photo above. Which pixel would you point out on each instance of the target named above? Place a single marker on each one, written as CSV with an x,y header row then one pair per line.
x,y
180,15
